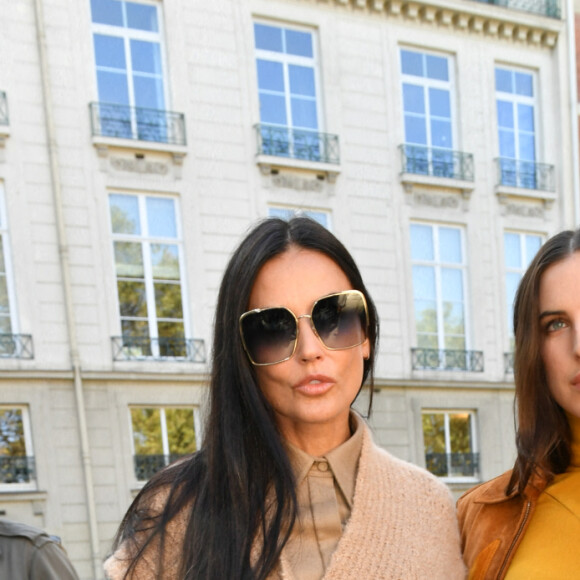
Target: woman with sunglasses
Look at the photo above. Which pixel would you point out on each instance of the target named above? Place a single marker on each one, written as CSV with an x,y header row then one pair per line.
x,y
525,524
288,482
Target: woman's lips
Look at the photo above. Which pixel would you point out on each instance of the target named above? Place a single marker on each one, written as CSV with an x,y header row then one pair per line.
x,y
314,385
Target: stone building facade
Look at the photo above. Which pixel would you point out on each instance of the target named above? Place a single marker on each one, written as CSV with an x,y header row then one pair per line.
x,y
140,139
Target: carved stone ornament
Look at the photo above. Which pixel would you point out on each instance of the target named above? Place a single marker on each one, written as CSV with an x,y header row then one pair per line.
x,y
297,183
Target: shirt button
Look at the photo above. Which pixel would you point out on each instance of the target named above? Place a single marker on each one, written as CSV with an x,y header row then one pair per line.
x,y
322,466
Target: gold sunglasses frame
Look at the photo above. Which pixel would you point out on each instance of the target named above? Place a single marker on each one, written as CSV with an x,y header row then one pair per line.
x,y
297,318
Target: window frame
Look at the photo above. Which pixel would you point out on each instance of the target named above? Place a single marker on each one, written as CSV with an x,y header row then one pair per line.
x,y
146,240
474,440
163,427
426,83
437,265
285,213
290,59
9,270
127,34
28,444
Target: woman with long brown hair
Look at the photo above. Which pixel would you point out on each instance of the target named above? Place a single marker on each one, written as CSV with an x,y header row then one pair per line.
x,y
288,482
525,524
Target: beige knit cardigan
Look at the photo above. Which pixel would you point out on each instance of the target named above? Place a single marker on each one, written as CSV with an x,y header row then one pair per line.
x,y
402,526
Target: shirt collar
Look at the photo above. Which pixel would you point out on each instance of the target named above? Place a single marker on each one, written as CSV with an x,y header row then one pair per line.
x,y
343,460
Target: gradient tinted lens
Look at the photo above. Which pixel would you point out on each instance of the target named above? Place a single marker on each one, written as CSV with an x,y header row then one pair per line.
x,y
341,320
269,336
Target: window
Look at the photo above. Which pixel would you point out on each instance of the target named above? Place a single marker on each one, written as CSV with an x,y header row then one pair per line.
x,y
450,444
428,95
161,435
287,71
286,213
17,469
516,106
439,271
129,66
519,249
148,264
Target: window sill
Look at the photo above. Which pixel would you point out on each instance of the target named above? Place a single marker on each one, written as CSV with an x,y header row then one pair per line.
x,y
504,192
269,164
410,180
10,492
102,145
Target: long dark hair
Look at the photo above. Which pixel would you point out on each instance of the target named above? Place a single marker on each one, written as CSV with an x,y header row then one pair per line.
x,y
542,431
234,529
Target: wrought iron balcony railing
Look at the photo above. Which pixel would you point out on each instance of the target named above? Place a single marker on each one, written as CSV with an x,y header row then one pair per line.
x,y
508,362
146,466
124,122
436,162
16,346
550,8
526,174
447,360
452,464
170,348
297,144
3,108
17,469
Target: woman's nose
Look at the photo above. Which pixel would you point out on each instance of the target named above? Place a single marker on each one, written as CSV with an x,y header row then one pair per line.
x,y
309,346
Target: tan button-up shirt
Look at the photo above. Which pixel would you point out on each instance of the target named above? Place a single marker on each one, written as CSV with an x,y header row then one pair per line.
x,y
325,491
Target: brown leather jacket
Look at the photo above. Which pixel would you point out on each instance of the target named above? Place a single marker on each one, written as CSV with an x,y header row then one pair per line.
x,y
492,525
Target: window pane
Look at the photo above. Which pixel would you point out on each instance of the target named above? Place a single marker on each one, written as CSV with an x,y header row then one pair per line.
x,y
525,118
421,242
171,330
180,431
413,99
454,342
527,149
505,114
168,300
299,43
412,63
533,244
453,319
165,261
512,248
113,88
2,263
302,80
142,17
415,130
503,80
424,282
12,442
273,109
146,57
304,114
439,103
129,260
524,84
450,245
110,51
507,145
4,304
434,432
460,432
426,319
441,134
6,328
107,12
161,217
137,329
512,280
451,285
132,299
270,75
124,214
146,431
268,37
437,67
149,95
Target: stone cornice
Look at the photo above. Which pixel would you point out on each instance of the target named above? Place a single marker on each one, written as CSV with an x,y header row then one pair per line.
x,y
469,16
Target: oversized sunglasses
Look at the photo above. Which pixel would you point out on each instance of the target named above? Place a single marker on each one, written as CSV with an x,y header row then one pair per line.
x,y
270,335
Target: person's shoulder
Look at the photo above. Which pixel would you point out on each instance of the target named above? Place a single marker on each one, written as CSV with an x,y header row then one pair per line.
x,y
38,537
490,491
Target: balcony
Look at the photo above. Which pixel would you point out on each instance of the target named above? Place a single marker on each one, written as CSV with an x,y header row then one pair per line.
x,y
453,465
16,346
549,8
446,360
17,469
297,148
524,174
146,466
133,348
3,109
137,124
